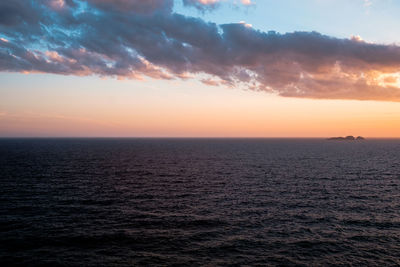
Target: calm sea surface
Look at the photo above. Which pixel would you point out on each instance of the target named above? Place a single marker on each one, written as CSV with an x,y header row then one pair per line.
x,y
124,202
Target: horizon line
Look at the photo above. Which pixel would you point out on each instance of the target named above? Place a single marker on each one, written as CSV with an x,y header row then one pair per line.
x,y
182,137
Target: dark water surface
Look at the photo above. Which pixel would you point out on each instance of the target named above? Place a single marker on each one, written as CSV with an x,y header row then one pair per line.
x,y
123,202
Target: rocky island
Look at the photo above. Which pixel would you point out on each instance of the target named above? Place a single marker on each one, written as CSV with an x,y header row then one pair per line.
x,y
347,138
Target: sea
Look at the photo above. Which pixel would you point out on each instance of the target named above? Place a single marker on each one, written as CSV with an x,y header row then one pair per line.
x,y
199,202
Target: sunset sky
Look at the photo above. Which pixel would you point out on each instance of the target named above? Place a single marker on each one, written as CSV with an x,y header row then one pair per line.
x,y
199,68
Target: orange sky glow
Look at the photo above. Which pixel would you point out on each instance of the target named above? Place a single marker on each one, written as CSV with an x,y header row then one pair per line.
x,y
183,109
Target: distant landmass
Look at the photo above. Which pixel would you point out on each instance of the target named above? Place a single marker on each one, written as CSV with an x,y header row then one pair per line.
x,y
347,138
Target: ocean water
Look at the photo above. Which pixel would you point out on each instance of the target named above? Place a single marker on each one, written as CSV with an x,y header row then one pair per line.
x,y
191,202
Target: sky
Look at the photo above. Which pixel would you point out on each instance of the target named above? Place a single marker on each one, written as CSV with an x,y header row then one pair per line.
x,y
199,68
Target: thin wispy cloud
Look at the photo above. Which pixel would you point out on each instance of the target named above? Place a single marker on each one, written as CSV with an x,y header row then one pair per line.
x,y
135,39
204,5
367,3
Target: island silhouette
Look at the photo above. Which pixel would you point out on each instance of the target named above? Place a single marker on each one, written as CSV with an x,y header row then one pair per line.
x,y
347,138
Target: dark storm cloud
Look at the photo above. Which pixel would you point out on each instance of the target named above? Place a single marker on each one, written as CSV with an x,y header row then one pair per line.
x,y
132,38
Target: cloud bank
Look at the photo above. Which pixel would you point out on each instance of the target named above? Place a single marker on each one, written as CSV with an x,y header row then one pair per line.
x,y
135,39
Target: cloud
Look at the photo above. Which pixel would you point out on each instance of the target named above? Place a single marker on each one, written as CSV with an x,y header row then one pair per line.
x,y
204,5
246,2
367,3
136,6
135,39
210,82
